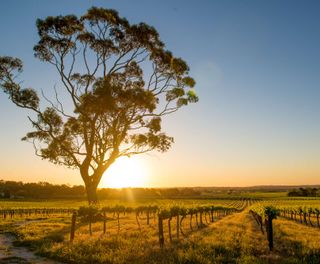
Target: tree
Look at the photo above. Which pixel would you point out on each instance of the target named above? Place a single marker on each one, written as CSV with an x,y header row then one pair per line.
x,y
117,81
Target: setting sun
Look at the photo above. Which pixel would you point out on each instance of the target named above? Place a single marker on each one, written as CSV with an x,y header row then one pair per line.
x,y
125,172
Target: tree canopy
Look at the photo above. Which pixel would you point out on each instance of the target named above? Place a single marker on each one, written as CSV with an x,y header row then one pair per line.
x,y
117,81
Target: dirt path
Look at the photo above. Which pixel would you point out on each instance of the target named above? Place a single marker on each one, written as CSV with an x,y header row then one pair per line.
x,y
10,254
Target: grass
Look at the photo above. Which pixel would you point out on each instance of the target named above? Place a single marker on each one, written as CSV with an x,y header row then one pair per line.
x,y
233,239
134,246
299,243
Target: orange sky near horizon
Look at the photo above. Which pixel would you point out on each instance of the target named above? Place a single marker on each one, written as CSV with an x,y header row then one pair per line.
x,y
171,169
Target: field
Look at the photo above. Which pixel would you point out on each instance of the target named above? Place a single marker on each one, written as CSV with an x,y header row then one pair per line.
x,y
120,233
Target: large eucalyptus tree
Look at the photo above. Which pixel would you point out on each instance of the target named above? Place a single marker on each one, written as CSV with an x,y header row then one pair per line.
x,y
116,82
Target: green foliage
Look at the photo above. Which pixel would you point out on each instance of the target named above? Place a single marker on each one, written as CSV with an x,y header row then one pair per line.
x,y
271,212
88,211
305,192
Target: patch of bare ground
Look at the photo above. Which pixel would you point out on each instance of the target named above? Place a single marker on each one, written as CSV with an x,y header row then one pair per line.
x,y
10,254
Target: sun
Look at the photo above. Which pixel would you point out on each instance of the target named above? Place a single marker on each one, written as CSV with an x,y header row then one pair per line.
x,y
125,172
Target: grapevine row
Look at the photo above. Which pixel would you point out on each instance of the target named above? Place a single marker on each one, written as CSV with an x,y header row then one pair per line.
x,y
23,212
264,216
201,214
304,215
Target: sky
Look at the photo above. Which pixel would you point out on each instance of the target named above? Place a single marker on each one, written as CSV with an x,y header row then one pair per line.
x,y
257,68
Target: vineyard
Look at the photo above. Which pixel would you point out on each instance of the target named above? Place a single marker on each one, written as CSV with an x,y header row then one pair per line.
x,y
304,212
167,231
188,217
199,216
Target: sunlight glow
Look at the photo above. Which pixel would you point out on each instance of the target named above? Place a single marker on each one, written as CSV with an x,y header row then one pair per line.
x,y
126,172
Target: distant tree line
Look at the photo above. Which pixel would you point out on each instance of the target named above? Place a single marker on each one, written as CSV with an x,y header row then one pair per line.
x,y
305,192
45,190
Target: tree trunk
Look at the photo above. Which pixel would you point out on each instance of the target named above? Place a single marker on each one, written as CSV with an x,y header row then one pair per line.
x,y
91,194
91,183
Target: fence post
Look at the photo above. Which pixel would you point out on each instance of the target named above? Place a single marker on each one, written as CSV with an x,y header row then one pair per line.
x,y
161,237
148,216
270,232
73,226
104,222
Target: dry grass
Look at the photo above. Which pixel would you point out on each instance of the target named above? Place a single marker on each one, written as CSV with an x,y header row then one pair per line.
x,y
296,242
232,239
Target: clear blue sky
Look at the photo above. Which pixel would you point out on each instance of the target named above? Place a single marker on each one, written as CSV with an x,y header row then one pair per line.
x,y
257,67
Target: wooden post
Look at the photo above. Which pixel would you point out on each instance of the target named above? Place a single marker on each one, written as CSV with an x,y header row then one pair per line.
x,y
270,232
148,216
161,237
90,226
73,226
104,222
